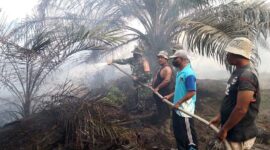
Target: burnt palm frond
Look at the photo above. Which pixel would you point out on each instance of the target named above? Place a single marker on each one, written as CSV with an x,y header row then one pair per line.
x,y
87,122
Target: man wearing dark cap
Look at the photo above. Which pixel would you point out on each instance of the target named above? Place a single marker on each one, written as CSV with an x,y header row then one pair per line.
x,y
140,70
240,105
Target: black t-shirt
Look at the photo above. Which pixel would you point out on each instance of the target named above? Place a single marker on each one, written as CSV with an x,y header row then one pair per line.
x,y
241,79
158,79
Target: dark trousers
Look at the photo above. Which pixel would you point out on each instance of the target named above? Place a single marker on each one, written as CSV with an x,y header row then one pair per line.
x,y
184,132
163,110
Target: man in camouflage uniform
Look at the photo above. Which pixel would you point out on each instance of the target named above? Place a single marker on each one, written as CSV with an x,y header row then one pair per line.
x,y
140,71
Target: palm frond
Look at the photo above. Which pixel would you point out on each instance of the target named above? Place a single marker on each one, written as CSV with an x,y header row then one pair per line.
x,y
209,31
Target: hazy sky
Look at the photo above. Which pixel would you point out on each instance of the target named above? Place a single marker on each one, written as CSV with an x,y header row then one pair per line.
x,y
16,9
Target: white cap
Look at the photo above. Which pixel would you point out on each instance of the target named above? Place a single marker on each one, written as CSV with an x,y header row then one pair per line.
x,y
180,53
163,54
240,46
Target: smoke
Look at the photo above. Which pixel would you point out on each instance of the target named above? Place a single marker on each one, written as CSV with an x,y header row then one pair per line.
x,y
265,61
84,70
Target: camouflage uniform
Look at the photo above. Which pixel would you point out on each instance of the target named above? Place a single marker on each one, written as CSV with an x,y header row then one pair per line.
x,y
138,70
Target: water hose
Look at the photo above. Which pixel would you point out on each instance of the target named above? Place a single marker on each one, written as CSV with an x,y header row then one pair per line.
x,y
227,145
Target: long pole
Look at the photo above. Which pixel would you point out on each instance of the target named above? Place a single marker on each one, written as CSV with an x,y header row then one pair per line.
x,y
228,147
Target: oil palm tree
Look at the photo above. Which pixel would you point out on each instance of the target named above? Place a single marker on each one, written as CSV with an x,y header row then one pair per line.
x,y
206,25
33,49
208,31
158,18
88,14
165,22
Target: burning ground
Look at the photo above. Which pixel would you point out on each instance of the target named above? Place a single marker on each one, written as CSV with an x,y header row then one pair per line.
x,y
102,119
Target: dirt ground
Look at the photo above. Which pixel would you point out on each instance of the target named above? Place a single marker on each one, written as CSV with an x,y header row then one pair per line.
x,y
102,124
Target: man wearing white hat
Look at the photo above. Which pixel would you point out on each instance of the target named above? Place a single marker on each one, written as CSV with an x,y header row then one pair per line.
x,y
184,97
163,84
240,105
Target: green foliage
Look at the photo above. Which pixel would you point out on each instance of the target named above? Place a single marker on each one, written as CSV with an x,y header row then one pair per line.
x,y
145,93
115,97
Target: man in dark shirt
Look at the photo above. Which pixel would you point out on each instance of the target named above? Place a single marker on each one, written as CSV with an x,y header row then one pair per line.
x,y
240,105
162,83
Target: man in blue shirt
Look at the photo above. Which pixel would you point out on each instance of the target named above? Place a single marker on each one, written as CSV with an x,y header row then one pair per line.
x,y
184,97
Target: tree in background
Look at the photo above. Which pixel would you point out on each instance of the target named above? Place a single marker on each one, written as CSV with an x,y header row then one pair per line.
x,y
166,24
208,31
206,26
158,19
88,14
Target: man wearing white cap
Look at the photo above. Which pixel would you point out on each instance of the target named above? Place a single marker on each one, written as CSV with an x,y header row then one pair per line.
x,y
240,105
184,97
163,84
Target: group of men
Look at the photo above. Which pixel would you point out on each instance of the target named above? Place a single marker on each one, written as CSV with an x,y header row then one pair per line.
x,y
240,105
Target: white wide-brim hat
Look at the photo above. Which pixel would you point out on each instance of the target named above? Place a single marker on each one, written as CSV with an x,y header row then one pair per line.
x,y
240,46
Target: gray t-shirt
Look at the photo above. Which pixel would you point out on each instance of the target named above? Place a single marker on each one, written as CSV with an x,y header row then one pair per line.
x,y
241,79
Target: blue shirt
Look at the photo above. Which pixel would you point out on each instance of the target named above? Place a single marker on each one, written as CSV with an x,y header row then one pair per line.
x,y
185,81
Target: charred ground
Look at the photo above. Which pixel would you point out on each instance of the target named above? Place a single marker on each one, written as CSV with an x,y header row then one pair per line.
x,y
103,119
